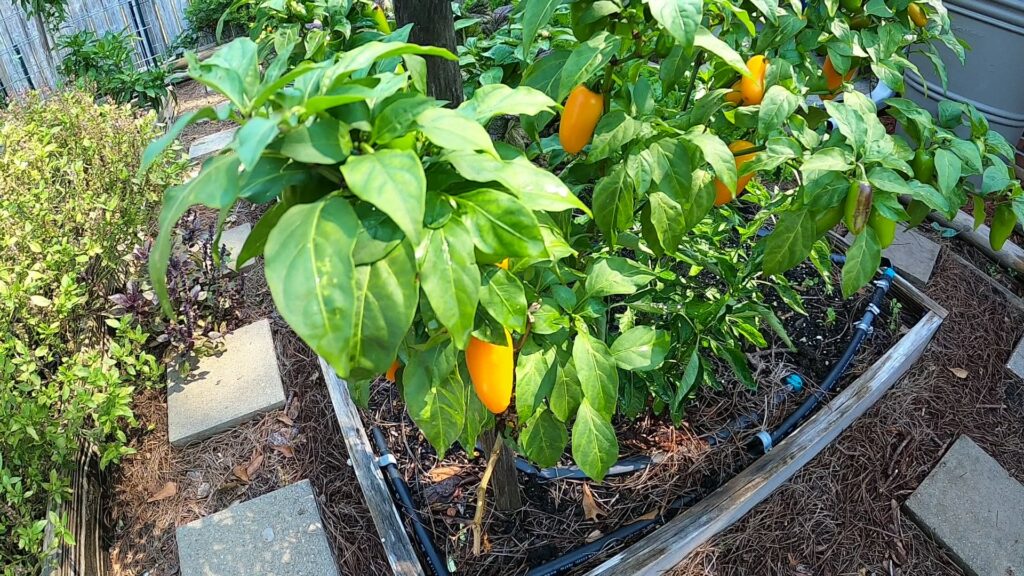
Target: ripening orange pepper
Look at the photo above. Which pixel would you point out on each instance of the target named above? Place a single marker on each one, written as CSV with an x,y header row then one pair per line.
x,y
491,369
917,15
503,264
833,80
752,89
583,110
722,194
392,374
735,97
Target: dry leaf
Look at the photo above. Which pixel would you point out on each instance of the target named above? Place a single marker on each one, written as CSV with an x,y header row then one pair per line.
x,y
285,419
241,473
169,489
649,516
590,508
594,536
959,372
286,451
444,472
255,464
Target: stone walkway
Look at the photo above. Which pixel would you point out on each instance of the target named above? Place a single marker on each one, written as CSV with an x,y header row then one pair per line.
x,y
277,534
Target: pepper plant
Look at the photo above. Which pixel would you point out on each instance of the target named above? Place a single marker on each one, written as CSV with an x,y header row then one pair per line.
x,y
401,239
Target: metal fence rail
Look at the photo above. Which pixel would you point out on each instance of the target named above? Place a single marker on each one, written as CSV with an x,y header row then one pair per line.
x,y
24,65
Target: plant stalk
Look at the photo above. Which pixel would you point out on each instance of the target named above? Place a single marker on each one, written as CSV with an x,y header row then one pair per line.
x,y
481,495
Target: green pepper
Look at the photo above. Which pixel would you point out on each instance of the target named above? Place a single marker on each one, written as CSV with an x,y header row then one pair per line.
x,y
858,206
918,211
923,165
884,228
828,220
1002,226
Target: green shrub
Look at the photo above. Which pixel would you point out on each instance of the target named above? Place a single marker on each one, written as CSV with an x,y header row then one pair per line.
x,y
202,17
71,209
105,62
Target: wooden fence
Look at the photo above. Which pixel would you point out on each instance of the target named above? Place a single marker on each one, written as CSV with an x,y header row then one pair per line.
x,y
24,64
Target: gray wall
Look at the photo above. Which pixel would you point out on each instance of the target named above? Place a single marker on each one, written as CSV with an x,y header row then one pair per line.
x,y
23,62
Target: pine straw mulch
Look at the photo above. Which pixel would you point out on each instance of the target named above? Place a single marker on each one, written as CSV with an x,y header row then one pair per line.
x,y
554,518
191,96
302,441
841,514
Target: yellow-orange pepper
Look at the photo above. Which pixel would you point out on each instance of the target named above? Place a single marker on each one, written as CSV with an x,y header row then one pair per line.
x,y
583,110
752,88
491,370
722,193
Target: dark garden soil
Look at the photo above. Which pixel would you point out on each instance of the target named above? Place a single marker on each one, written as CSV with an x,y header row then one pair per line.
x,y
160,488
561,515
841,514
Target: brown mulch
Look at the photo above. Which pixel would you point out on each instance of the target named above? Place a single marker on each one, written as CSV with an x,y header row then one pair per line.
x,y
302,441
841,514
191,96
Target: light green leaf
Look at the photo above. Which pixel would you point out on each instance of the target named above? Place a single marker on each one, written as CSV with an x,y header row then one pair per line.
x,y
535,378
453,131
776,107
504,299
451,278
436,396
537,188
252,138
398,117
615,275
862,261
717,153
311,276
394,182
948,167
566,394
498,99
680,17
641,348
708,41
615,130
827,160
594,446
158,146
544,439
325,141
387,293
500,224
586,60
791,241
597,373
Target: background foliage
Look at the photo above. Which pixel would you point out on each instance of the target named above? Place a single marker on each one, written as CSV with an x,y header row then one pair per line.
x,y
104,64
70,209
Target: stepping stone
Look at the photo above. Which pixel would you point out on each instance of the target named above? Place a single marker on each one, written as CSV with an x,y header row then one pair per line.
x,y
277,534
234,239
974,508
211,144
911,253
1016,363
227,389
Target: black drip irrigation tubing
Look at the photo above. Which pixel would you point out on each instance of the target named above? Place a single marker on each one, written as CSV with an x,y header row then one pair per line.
x,y
762,444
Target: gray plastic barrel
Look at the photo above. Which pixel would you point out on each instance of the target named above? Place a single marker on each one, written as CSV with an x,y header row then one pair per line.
x,y
993,78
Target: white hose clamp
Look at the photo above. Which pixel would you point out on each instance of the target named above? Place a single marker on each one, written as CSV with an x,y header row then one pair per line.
x,y
387,460
766,440
874,309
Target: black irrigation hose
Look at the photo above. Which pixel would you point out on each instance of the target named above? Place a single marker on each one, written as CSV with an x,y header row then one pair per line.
x,y
400,489
794,385
620,468
766,440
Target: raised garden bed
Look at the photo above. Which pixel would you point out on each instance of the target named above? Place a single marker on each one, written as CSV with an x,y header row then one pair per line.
x,y
722,484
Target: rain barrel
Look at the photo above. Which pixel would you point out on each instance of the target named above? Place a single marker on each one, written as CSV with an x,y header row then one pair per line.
x,y
993,77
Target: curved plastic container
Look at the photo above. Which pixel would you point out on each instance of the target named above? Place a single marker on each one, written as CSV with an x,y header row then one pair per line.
x,y
993,78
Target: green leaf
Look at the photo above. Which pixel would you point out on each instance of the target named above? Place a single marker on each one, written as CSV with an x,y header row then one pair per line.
x,y
615,275
613,202
546,73
498,99
536,15
535,378
216,186
387,293
325,141
363,56
451,279
233,70
776,107
948,167
594,446
453,131
791,241
615,130
586,60
436,396
252,138
995,179
597,373
537,188
500,224
850,122
862,261
969,153
708,41
311,276
680,17
394,182
566,393
257,239
641,348
826,160
478,418
888,180
398,117
717,153
504,299
544,439
158,146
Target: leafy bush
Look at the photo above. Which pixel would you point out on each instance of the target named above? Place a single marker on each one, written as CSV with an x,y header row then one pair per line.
x,y
105,62
202,17
70,208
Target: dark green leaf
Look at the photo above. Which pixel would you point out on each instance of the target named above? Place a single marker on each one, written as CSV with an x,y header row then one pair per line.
x,y
610,276
641,348
387,293
451,279
536,370
544,438
586,60
566,393
436,396
504,299
862,261
597,373
325,141
594,446
500,224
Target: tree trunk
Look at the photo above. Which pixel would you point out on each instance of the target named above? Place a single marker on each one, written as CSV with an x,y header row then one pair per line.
x,y
505,481
433,24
